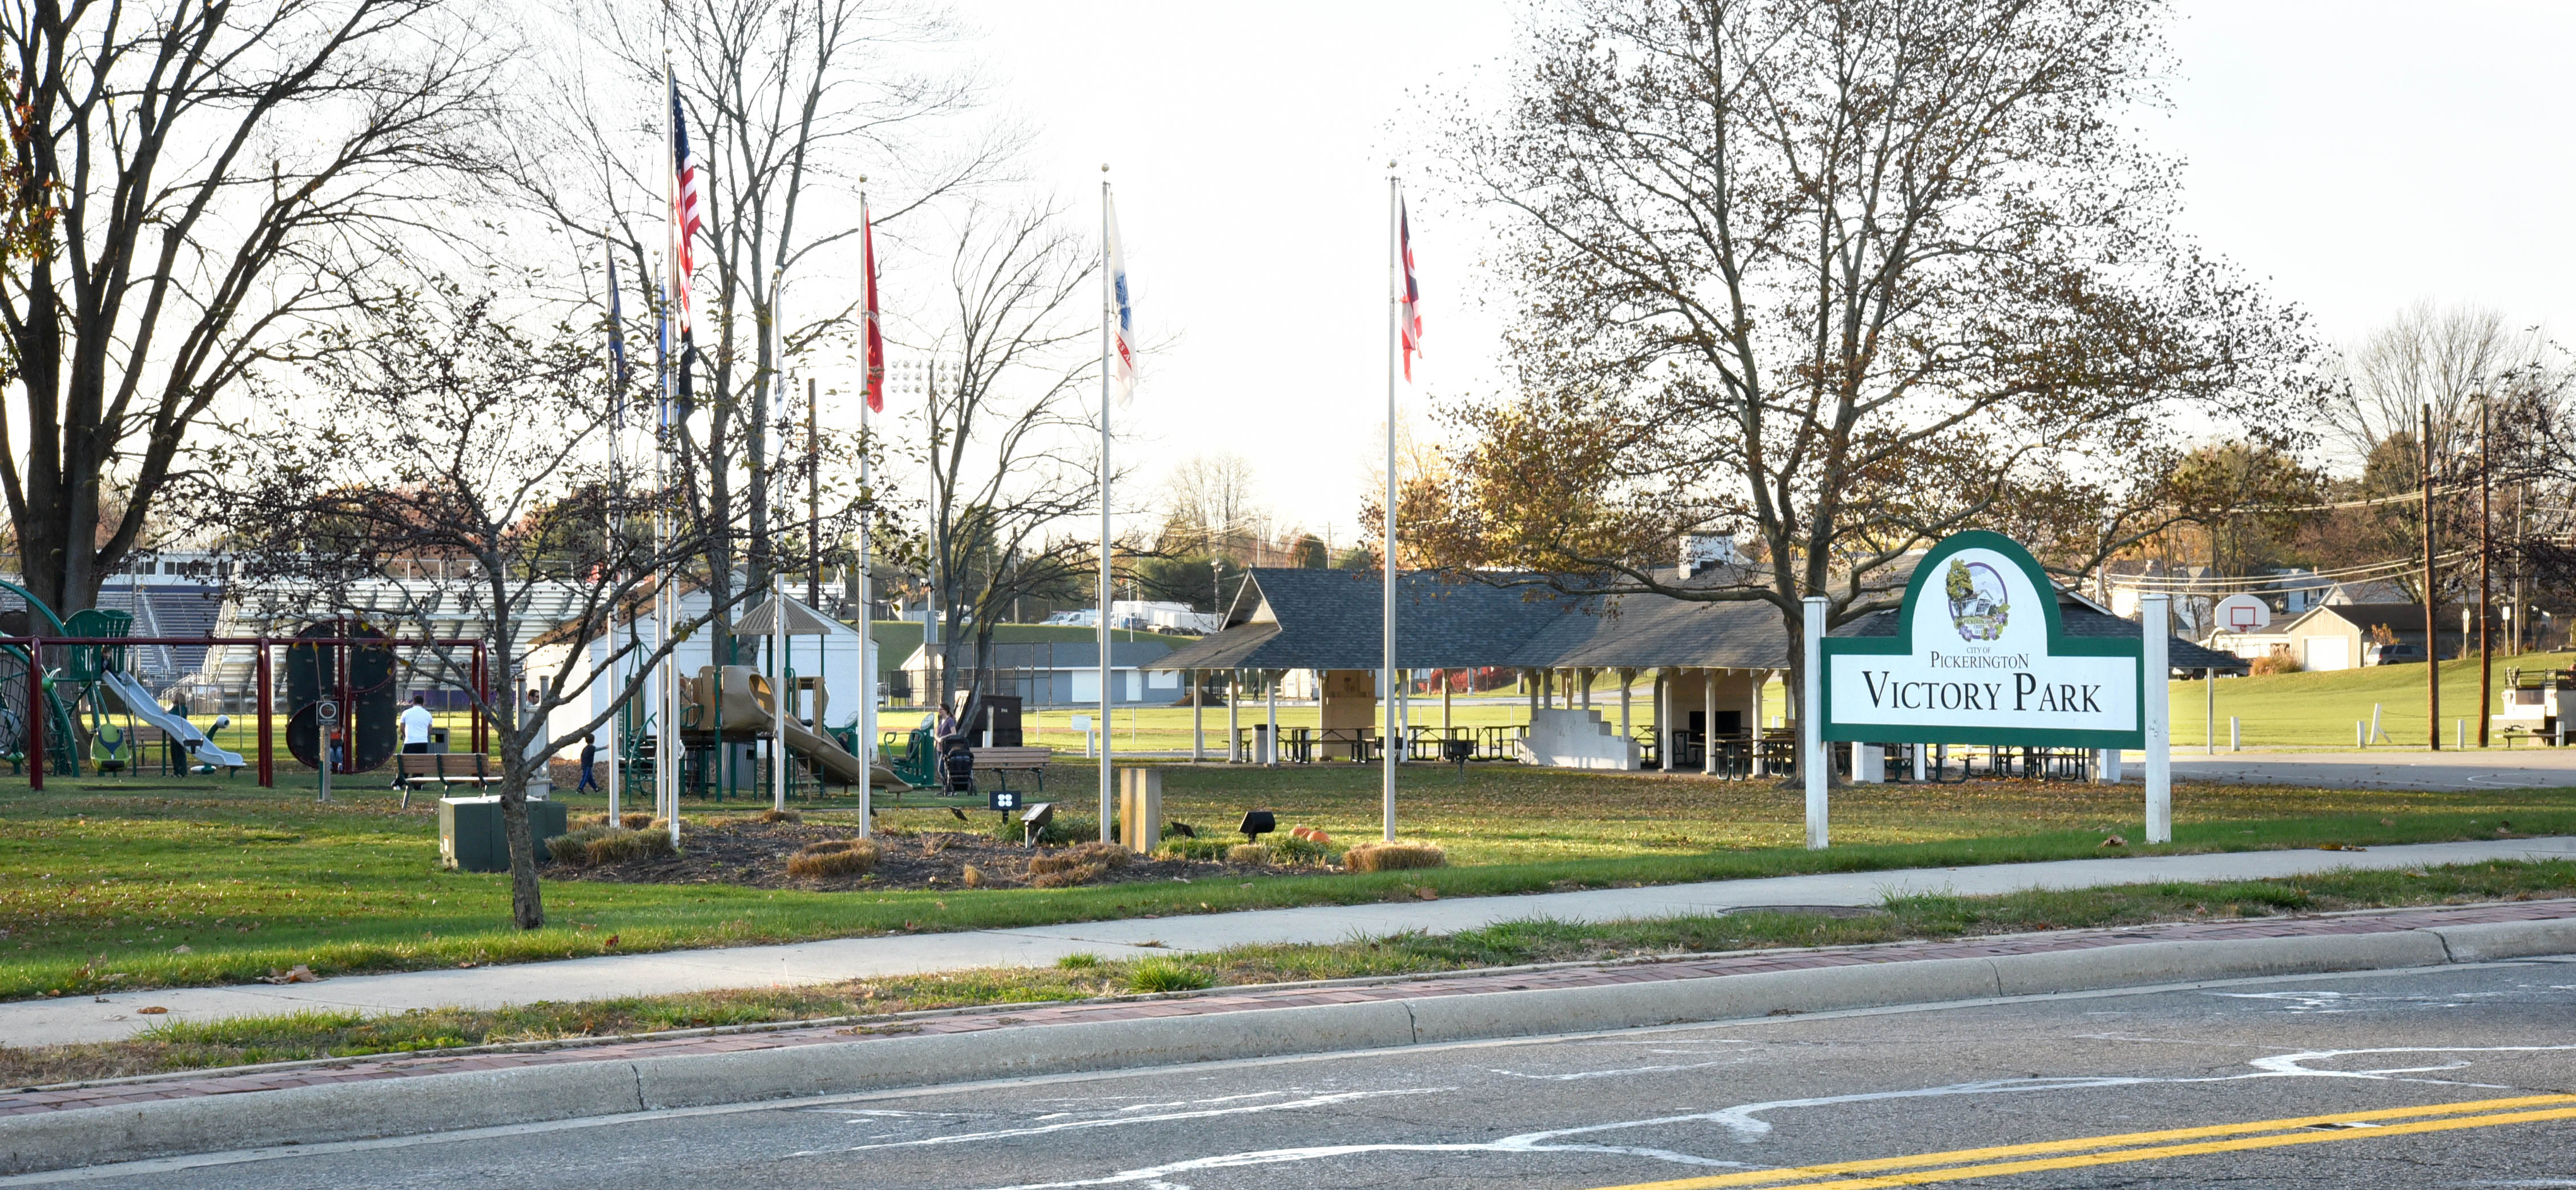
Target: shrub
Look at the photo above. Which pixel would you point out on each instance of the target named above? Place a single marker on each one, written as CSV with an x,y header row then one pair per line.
x,y
599,844
1390,857
2273,663
1068,877
837,857
971,877
635,821
1247,853
1080,960
1290,850
1159,974
1200,849
1061,830
781,816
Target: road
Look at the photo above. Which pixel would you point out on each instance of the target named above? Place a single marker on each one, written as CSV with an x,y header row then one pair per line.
x,y
2462,1076
2380,768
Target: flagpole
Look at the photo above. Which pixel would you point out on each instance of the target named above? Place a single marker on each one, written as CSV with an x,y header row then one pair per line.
x,y
1394,340
867,513
616,420
666,741
1108,316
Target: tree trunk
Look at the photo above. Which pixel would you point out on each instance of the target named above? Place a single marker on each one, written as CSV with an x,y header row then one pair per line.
x,y
527,900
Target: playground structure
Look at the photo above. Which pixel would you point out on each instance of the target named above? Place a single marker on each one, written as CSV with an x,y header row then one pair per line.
x,y
42,704
736,703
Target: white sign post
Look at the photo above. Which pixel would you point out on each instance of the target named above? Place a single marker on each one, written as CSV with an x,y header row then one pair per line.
x,y
2156,611
1980,655
1812,758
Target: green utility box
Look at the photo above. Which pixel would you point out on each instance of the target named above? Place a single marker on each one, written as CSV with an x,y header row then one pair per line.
x,y
471,839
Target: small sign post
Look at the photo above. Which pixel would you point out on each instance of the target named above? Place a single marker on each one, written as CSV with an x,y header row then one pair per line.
x,y
1980,656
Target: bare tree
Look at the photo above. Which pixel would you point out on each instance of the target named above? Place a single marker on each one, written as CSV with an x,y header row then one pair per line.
x,y
1841,278
1010,440
790,103
223,178
446,432
1209,500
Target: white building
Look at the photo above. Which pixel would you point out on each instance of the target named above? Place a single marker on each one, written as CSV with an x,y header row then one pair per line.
x,y
837,656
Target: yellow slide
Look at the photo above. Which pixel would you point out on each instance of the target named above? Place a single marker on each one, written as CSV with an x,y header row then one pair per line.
x,y
747,712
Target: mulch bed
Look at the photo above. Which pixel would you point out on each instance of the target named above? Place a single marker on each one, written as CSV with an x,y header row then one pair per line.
x,y
750,853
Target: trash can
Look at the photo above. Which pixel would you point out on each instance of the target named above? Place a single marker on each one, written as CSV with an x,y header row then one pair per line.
x,y
471,837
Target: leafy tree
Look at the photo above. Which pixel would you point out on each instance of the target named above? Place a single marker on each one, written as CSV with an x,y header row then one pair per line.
x,y
1841,279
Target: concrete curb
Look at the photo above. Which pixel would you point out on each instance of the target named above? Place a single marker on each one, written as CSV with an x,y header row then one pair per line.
x,y
485,1098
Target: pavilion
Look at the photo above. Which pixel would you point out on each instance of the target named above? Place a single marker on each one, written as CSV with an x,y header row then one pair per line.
x,y
1710,661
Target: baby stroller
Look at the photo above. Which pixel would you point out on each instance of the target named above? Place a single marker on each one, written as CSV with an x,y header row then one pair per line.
x,y
957,769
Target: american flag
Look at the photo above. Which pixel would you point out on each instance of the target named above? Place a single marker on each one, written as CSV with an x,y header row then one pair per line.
x,y
1409,319
1122,360
688,213
875,337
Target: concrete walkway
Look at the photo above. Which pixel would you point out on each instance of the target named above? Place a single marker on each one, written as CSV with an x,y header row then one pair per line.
x,y
54,1022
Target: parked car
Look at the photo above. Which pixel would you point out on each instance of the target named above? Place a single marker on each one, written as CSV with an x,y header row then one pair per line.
x,y
2398,654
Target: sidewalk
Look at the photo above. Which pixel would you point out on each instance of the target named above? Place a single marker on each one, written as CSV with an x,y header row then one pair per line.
x,y
55,1022
335,1072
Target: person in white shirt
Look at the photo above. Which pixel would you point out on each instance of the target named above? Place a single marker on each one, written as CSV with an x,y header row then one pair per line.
x,y
415,729
416,724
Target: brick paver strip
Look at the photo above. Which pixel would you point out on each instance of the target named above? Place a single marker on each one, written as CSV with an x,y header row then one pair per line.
x,y
187,1085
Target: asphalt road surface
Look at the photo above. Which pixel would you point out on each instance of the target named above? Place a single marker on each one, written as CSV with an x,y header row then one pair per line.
x,y
2454,1077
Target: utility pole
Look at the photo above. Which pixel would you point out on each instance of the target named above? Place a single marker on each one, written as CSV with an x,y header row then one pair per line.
x,y
2432,639
2486,552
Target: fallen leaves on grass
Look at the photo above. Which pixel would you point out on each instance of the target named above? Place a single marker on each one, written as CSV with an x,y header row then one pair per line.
x,y
301,973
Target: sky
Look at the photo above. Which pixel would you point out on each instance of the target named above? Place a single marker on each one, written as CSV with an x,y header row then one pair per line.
x,y
2356,157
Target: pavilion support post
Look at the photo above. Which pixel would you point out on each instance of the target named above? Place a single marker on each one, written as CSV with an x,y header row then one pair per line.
x,y
1587,688
1761,687
1198,718
1627,680
1273,683
1444,702
1234,717
1708,722
1529,678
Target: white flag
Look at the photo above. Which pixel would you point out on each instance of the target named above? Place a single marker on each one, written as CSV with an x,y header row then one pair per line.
x,y
1122,327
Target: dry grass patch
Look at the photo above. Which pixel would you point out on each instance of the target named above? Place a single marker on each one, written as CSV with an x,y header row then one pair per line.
x,y
781,816
592,846
1393,857
1077,865
838,857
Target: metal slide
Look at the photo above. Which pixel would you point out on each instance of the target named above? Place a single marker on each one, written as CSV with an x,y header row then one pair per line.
x,y
141,703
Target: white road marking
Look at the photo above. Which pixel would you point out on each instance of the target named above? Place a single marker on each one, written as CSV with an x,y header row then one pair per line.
x,y
1330,1100
1581,1075
1745,1122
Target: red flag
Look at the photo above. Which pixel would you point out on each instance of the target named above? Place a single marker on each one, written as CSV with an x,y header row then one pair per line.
x,y
876,338
1410,318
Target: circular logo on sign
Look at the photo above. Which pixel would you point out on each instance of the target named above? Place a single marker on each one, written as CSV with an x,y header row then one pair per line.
x,y
1978,606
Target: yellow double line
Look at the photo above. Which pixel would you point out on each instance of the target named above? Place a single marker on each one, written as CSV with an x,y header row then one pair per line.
x,y
2142,1146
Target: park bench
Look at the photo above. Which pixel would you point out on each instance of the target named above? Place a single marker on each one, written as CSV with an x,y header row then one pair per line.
x,y
415,769
1032,760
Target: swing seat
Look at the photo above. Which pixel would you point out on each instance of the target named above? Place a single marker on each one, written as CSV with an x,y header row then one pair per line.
x,y
108,748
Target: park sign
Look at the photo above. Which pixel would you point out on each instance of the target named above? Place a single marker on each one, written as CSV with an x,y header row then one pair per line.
x,y
1980,656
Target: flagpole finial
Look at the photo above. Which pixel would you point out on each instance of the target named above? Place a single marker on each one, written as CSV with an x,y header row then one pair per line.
x,y
1104,167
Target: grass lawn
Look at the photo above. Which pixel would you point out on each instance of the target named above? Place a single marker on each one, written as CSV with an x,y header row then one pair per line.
x,y
2317,710
199,1044
139,883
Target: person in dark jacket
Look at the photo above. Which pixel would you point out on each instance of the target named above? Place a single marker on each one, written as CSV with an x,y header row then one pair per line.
x,y
589,755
